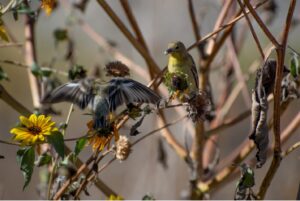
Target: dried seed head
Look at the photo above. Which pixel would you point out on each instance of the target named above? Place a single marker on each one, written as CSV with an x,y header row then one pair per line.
x,y
123,148
200,106
116,69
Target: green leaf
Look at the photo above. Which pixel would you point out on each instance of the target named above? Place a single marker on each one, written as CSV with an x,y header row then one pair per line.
x,y
295,69
80,144
46,72
35,70
3,75
57,140
43,159
25,158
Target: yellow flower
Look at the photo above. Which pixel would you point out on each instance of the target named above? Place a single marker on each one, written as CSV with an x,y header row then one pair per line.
x,y
48,6
101,138
33,129
115,197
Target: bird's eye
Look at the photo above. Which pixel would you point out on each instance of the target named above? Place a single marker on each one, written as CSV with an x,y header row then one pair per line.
x,y
177,47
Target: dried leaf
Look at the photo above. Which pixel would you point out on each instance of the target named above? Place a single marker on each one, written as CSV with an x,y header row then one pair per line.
x,y
133,130
162,154
289,88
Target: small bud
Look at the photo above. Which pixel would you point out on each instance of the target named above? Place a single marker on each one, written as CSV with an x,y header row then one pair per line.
x,y
123,148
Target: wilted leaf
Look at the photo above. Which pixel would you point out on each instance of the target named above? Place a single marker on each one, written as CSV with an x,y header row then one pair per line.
x,y
80,144
57,140
3,75
43,159
25,157
162,154
259,123
245,182
133,130
264,84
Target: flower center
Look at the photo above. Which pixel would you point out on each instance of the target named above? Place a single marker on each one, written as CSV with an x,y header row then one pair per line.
x,y
35,130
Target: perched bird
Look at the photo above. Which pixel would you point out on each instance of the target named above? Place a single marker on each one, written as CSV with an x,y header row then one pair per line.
x,y
102,97
180,61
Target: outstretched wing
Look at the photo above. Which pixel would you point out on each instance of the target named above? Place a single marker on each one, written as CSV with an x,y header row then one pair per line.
x,y
79,93
124,90
194,71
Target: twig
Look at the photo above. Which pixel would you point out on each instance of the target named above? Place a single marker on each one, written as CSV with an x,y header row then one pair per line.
x,y
11,45
196,28
252,30
238,72
228,123
222,27
22,65
261,24
291,149
128,35
9,143
136,142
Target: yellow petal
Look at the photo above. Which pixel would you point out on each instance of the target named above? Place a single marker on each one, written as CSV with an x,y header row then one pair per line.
x,y
25,121
19,130
33,119
40,120
41,138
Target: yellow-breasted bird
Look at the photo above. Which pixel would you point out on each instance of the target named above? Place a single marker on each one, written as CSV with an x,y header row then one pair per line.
x,y
183,81
182,66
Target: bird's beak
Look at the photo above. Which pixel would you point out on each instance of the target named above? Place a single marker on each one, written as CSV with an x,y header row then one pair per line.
x,y
168,51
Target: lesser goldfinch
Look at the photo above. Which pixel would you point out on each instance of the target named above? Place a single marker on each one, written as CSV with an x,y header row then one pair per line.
x,y
180,61
102,97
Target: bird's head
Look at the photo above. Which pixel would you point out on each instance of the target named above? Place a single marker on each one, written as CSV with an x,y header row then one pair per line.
x,y
176,49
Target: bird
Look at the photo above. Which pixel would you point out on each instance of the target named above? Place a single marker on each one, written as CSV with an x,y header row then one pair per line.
x,y
102,98
181,62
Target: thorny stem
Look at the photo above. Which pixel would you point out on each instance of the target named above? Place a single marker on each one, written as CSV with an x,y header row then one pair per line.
x,y
280,50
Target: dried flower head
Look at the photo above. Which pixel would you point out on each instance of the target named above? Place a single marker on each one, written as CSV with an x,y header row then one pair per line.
x,y
199,106
123,148
33,129
116,69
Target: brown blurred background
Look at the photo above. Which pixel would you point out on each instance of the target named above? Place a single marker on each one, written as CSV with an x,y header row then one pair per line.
x,y
160,22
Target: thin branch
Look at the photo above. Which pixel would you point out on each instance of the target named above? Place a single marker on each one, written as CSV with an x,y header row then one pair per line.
x,y
232,22
128,35
291,149
252,30
196,28
261,24
11,45
238,72
9,143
